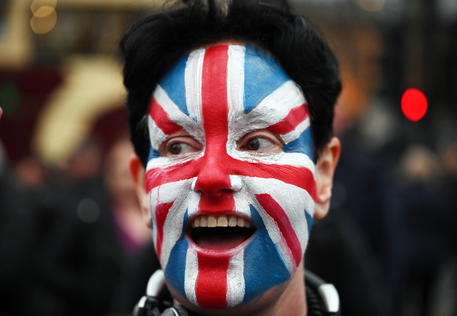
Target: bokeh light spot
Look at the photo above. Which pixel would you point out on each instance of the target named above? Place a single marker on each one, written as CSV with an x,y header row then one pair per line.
x,y
44,12
414,104
37,4
43,20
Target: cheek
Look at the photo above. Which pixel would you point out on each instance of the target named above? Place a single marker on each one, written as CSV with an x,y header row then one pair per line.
x,y
286,210
156,177
164,194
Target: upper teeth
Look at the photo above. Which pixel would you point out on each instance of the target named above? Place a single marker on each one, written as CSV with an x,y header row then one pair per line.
x,y
220,221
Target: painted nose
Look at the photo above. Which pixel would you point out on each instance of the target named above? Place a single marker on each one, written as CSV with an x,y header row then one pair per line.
x,y
213,177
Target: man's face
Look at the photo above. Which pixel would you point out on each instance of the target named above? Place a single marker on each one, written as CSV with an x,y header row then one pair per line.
x,y
230,178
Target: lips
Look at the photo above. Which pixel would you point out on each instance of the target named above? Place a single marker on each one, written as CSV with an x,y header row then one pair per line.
x,y
221,232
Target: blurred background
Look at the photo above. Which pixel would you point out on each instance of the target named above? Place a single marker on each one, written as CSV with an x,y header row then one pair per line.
x,y
72,240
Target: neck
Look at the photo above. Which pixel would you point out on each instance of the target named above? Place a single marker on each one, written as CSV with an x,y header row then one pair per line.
x,y
286,299
293,300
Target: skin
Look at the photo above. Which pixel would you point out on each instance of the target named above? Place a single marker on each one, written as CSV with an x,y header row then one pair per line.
x,y
290,294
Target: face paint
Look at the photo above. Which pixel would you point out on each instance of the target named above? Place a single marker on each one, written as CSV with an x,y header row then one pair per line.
x,y
216,116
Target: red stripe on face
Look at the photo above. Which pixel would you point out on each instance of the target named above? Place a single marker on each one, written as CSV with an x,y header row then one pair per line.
x,y
298,176
211,283
161,119
282,220
161,215
291,121
214,95
213,179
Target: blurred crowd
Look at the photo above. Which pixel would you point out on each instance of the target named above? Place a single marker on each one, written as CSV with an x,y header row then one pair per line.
x,y
67,236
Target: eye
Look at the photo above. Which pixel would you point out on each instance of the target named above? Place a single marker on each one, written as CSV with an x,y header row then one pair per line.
x,y
260,141
179,148
180,145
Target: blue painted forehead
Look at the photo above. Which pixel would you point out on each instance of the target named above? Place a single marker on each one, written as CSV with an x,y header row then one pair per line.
x,y
262,75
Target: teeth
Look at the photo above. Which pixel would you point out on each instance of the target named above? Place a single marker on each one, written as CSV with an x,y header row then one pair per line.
x,y
212,221
232,221
220,221
196,222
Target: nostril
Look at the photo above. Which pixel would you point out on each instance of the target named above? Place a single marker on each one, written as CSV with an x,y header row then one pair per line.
x,y
212,183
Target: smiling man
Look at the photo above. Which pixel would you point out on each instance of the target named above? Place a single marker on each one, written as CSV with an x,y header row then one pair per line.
x,y
230,109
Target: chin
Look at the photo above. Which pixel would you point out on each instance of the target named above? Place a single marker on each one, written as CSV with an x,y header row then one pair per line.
x,y
263,302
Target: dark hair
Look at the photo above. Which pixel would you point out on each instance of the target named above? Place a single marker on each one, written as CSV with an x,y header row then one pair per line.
x,y
153,45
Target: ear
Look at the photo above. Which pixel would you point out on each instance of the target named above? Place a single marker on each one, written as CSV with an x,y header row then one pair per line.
x,y
325,169
137,172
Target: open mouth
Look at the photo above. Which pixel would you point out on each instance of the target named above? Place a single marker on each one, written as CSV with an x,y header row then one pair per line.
x,y
221,232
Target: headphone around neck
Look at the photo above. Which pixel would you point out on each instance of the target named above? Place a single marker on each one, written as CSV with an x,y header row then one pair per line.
x,y
323,299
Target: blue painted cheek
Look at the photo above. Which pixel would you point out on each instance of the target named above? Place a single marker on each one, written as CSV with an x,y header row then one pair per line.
x,y
303,144
153,154
263,265
309,221
176,267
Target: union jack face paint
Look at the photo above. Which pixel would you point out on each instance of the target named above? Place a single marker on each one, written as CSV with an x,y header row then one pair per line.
x,y
218,95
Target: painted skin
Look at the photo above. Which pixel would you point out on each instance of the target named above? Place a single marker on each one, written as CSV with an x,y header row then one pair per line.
x,y
230,138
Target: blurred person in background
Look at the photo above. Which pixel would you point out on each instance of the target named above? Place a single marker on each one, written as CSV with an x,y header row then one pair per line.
x,y
391,187
444,287
16,239
124,201
423,256
66,243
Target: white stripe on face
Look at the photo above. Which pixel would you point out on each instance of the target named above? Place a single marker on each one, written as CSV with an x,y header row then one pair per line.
x,y
193,84
235,280
270,110
276,237
293,135
235,90
159,136
175,115
176,192
294,200
190,276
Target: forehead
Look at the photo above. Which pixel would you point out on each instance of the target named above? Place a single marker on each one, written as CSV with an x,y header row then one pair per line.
x,y
233,90
256,72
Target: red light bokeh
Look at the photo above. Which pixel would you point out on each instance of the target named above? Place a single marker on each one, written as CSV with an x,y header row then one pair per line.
x,y
414,104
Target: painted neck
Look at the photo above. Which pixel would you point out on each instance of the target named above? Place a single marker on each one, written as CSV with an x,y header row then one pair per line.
x,y
292,301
